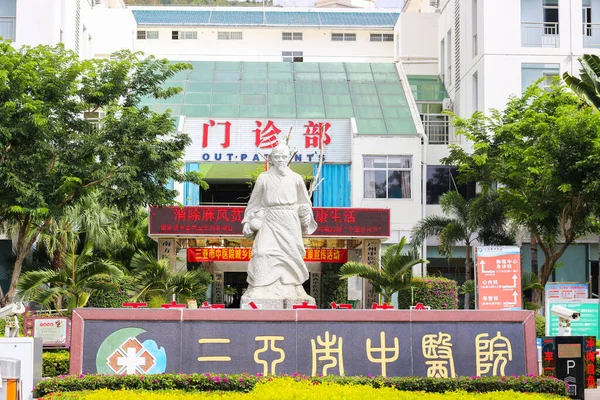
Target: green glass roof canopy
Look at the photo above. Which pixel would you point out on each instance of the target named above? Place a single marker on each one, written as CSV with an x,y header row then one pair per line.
x,y
372,93
427,87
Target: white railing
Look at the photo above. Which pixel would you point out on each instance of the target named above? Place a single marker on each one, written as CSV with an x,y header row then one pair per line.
x,y
539,34
7,28
591,35
437,128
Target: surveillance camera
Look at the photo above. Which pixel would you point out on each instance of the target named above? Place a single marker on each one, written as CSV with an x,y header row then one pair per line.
x,y
565,313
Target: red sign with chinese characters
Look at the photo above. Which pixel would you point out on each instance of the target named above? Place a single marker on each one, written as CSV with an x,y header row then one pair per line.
x,y
227,221
206,254
498,277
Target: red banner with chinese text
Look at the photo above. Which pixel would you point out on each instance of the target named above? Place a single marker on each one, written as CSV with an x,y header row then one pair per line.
x,y
206,254
226,221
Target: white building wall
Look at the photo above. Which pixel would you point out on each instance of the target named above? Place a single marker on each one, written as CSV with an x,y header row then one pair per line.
x,y
121,34
264,44
38,22
419,57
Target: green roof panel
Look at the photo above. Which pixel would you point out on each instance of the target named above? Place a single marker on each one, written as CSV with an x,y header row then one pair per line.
x,y
427,87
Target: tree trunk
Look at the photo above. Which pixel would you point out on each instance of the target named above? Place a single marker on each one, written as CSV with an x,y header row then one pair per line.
x,y
534,260
16,274
467,274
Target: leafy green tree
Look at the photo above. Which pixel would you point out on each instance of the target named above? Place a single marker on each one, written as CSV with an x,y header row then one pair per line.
x,y
51,156
587,85
74,283
394,273
154,279
478,219
543,153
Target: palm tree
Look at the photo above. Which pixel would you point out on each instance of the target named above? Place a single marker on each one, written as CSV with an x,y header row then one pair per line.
x,y
479,219
154,278
394,274
73,283
587,86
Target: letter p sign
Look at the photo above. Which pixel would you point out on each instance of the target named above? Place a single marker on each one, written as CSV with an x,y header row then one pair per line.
x,y
570,364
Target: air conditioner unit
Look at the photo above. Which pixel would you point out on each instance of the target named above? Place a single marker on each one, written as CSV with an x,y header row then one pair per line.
x,y
447,104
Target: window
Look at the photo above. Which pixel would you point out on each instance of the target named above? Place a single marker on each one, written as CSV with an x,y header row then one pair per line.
x,y
448,82
343,37
550,11
387,177
443,60
442,179
532,72
142,35
184,35
475,92
291,36
587,17
229,35
382,37
435,124
292,56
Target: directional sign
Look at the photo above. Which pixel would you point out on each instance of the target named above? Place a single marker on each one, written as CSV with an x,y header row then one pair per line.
x,y
498,277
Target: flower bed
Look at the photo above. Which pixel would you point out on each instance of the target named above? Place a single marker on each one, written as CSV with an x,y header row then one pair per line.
x,y
245,383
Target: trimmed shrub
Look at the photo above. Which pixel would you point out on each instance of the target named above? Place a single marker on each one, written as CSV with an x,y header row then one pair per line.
x,y
332,287
540,326
55,363
246,383
114,298
437,292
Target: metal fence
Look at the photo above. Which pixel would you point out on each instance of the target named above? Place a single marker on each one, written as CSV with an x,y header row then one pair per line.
x,y
437,128
591,35
540,34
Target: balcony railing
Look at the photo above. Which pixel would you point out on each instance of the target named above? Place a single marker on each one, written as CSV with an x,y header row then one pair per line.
x,y
540,34
7,28
591,35
437,128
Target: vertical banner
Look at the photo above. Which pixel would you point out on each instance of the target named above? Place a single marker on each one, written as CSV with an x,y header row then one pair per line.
x,y
218,287
498,277
370,256
167,249
315,287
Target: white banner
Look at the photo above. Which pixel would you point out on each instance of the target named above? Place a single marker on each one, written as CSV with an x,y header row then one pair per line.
x,y
248,140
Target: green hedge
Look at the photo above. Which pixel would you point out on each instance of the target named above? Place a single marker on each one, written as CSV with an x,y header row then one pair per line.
x,y
245,383
437,292
55,363
540,326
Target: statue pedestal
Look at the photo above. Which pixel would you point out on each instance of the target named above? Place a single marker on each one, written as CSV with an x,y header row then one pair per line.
x,y
275,297
275,304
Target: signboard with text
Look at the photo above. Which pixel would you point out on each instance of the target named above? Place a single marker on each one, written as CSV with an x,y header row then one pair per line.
x,y
143,342
498,277
248,140
227,221
585,325
54,331
207,254
566,291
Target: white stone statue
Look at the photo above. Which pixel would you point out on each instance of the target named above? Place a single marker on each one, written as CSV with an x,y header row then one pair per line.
x,y
278,214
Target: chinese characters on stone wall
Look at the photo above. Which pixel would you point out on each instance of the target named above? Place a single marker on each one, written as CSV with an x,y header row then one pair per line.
x,y
327,353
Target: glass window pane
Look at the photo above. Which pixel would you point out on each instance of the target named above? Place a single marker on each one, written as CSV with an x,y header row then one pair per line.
x,y
254,87
438,178
380,184
225,98
383,68
308,76
276,87
365,101
401,126
254,99
358,67
253,111
281,76
399,161
254,76
334,76
371,126
350,37
338,112
194,110
311,112
306,99
227,76
205,87
360,77
338,100
386,77
332,67
286,35
282,99
396,112
256,66
309,87
375,162
226,87
224,111
369,185
337,37
297,35
341,88
396,101
390,89
197,98
362,88
279,67
283,111
306,67
398,184
368,112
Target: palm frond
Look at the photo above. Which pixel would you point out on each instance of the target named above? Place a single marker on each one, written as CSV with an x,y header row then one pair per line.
x,y
431,225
